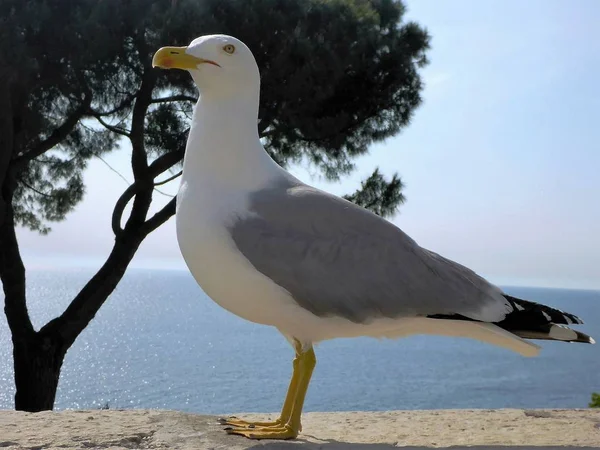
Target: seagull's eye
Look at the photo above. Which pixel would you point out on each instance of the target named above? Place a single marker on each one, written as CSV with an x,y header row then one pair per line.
x,y
229,49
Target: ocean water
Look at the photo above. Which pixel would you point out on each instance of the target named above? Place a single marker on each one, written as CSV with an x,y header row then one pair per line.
x,y
159,342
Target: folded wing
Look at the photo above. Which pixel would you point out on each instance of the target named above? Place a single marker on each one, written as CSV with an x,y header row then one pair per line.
x,y
338,259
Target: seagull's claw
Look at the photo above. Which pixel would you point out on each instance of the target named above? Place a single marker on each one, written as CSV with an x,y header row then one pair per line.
x,y
272,432
239,423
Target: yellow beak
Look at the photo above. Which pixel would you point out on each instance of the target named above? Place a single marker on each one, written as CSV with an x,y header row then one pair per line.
x,y
177,58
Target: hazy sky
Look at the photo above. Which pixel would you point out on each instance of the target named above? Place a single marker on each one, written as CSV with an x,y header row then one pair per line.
x,y
501,162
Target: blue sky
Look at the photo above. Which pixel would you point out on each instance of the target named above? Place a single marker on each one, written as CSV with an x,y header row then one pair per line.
x,y
501,162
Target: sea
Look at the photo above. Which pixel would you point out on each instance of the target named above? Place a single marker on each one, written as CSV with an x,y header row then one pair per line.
x,y
160,342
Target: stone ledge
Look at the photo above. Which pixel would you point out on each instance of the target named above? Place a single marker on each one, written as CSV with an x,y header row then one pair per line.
x,y
156,429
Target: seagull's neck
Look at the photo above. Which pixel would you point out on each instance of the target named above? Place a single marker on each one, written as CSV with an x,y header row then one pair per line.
x,y
223,145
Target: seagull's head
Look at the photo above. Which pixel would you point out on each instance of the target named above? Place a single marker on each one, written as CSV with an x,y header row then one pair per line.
x,y
219,64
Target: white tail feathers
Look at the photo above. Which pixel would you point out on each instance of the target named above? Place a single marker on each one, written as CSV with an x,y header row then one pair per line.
x,y
492,334
481,331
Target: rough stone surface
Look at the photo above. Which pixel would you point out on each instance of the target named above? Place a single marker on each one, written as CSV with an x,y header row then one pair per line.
x,y
456,429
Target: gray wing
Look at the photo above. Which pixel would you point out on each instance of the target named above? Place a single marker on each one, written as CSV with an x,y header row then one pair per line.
x,y
338,259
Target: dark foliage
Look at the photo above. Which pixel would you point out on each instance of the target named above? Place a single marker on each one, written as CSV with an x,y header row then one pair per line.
x,y
378,195
76,76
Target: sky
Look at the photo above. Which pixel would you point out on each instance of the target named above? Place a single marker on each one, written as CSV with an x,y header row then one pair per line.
x,y
501,161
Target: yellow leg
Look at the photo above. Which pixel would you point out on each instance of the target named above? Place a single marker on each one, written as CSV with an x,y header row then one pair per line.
x,y
290,398
288,404
287,427
310,361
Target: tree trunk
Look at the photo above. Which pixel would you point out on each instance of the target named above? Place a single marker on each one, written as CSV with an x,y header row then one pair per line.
x,y
38,356
37,361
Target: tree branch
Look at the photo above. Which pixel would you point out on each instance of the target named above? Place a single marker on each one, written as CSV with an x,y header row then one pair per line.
x,y
160,217
120,206
90,299
165,162
35,190
124,104
139,158
113,169
160,183
108,126
175,98
157,167
57,136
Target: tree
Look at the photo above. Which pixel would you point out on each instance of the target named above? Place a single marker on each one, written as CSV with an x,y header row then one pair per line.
x,y
378,195
75,77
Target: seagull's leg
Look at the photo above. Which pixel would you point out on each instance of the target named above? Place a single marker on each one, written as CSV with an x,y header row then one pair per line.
x,y
310,361
291,428
288,404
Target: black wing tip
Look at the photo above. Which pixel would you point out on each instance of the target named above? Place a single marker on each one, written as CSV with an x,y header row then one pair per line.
x,y
532,320
539,313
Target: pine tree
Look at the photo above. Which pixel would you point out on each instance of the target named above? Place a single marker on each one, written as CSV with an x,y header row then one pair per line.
x,y
76,77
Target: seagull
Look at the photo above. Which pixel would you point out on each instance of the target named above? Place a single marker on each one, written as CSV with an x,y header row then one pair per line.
x,y
275,251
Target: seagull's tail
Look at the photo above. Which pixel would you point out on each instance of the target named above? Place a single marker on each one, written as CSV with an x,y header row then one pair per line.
x,y
531,320
527,320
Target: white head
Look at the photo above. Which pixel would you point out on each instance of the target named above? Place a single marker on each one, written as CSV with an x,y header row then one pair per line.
x,y
220,65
